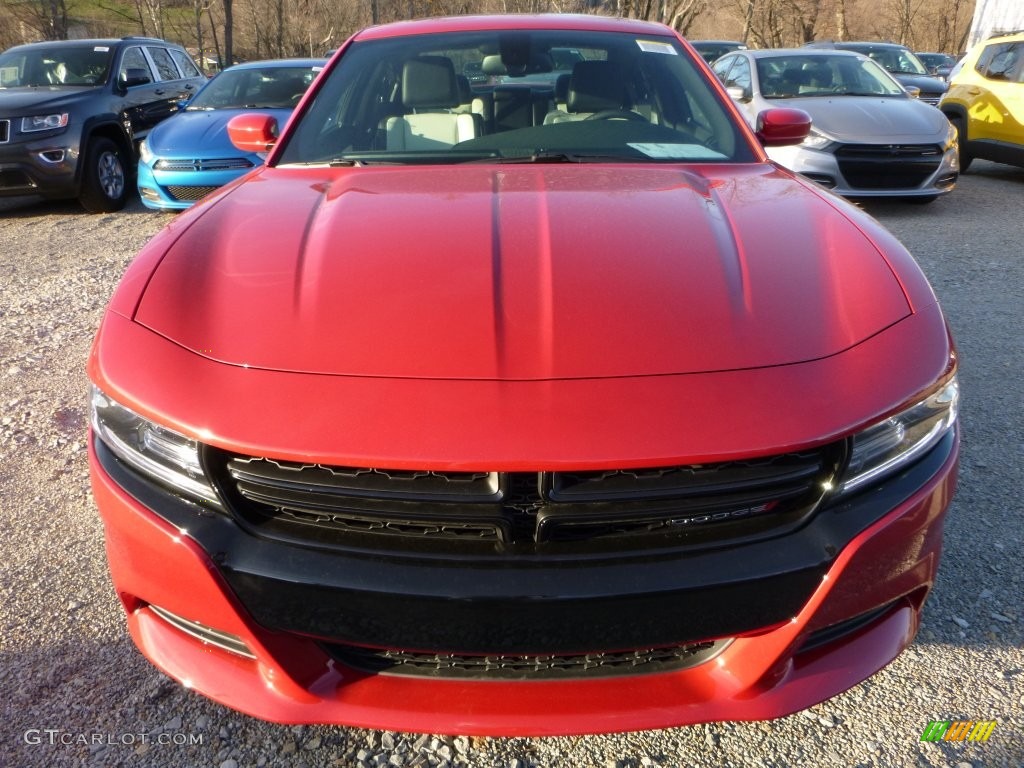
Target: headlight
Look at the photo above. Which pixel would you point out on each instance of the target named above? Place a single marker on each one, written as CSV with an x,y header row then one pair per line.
x,y
816,140
951,136
891,444
160,454
144,154
43,122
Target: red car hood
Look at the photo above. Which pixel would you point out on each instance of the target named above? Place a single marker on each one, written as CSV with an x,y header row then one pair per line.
x,y
520,272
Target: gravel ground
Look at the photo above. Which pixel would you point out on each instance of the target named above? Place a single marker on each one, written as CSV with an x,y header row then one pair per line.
x,y
75,691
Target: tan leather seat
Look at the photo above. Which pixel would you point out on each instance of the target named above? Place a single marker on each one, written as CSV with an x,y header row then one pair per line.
x,y
430,93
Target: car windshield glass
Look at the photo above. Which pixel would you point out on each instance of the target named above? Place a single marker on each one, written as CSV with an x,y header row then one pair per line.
x,y
896,60
83,65
516,96
800,76
258,87
936,59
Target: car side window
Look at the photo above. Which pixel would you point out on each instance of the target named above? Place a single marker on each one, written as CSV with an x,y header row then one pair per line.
x,y
1005,63
739,75
164,63
722,66
185,64
134,58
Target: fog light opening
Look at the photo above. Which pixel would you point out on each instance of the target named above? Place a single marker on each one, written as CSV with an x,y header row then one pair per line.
x,y
53,156
208,635
149,194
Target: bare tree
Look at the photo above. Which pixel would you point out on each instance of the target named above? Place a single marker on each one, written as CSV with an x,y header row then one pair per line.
x,y
678,14
47,19
841,29
229,33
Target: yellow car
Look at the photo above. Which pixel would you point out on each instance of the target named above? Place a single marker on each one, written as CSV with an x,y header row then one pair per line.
x,y
985,101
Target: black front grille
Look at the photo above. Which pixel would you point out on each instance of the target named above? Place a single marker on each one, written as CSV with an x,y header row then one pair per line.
x,y
888,166
358,507
189,193
525,667
210,164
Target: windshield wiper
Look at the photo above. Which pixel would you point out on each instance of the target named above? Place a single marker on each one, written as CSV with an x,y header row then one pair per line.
x,y
545,156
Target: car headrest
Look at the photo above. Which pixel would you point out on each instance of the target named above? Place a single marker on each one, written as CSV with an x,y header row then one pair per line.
x,y
428,82
596,86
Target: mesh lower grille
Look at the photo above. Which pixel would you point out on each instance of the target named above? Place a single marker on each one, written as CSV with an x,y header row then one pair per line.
x,y
526,667
189,193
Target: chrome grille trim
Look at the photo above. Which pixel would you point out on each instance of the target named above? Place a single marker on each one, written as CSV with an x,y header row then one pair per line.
x,y
200,164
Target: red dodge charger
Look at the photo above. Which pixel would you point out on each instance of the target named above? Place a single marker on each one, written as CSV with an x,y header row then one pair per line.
x,y
537,403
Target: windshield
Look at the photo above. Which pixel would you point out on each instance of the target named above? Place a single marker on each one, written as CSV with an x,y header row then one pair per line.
x,y
897,60
271,87
800,76
936,59
59,65
529,96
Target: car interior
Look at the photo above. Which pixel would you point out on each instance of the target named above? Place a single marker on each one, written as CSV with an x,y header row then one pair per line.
x,y
614,94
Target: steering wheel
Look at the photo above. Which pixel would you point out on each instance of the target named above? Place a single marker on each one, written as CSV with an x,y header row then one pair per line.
x,y
617,114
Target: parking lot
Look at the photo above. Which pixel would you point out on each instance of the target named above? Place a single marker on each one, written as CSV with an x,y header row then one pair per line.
x,y
78,693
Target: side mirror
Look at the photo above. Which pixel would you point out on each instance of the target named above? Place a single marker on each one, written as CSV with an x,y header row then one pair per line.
x,y
736,93
782,127
133,76
913,90
253,132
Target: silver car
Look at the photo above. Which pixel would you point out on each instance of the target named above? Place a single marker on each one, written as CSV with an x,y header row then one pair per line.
x,y
869,136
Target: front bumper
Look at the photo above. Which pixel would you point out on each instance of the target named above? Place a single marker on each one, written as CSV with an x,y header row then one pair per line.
x,y
178,190
879,176
47,166
873,558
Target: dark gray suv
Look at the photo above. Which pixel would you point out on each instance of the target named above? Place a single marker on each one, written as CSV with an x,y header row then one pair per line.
x,y
900,62
72,111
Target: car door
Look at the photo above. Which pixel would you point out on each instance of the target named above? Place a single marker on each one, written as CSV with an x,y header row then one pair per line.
x,y
1001,108
174,86
143,101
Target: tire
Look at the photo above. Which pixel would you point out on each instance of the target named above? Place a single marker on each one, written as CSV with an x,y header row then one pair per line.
x,y
104,178
961,131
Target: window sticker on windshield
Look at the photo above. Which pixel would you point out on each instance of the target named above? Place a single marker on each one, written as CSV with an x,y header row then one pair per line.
x,y
677,151
652,46
101,48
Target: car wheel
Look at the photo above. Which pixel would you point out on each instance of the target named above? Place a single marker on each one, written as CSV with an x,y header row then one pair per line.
x,y
961,132
104,181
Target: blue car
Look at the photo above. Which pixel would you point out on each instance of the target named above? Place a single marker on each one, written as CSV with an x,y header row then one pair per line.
x,y
189,155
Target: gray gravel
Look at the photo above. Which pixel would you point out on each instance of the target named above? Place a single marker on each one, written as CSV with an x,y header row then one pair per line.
x,y
75,691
